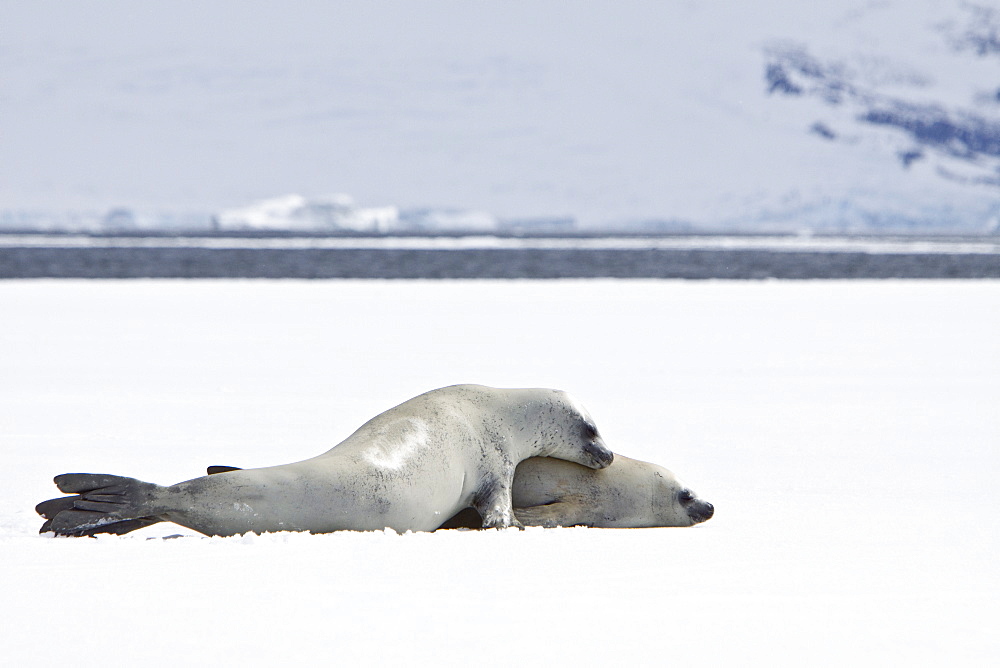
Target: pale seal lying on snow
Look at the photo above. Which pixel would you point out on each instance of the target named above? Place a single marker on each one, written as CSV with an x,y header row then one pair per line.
x,y
409,468
628,494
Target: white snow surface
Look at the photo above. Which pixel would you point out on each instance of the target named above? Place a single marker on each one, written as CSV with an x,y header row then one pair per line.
x,y
847,433
609,113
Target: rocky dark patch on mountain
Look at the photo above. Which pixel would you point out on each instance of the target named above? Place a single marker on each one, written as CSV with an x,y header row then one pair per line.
x,y
964,144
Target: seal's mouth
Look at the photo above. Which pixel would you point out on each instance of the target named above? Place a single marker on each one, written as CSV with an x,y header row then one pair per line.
x,y
599,454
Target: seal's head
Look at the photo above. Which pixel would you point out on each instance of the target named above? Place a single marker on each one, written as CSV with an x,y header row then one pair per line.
x,y
565,430
674,504
697,510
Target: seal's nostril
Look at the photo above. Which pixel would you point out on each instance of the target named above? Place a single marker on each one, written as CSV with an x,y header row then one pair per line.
x,y
701,511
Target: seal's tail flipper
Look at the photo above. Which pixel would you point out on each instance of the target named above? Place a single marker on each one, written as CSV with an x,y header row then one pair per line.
x,y
100,504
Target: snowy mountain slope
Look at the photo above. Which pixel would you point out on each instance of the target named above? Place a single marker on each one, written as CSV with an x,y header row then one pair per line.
x,y
902,108
775,115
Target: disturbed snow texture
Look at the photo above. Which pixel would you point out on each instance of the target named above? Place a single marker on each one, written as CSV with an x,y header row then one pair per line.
x,y
846,432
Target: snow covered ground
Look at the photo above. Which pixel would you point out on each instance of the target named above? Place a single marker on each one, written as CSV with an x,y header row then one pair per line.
x,y
847,433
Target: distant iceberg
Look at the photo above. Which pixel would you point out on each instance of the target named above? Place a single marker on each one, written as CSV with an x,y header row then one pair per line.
x,y
340,213
297,213
293,213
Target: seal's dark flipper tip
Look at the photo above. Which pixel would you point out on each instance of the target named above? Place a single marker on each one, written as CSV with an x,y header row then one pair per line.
x,y
59,524
52,507
212,470
75,483
101,503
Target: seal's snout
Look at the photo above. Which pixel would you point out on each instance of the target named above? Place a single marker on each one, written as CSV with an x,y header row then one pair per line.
x,y
700,511
599,454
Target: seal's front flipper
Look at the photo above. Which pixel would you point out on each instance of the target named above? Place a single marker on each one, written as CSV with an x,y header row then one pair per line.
x,y
101,504
493,503
212,470
497,518
551,515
